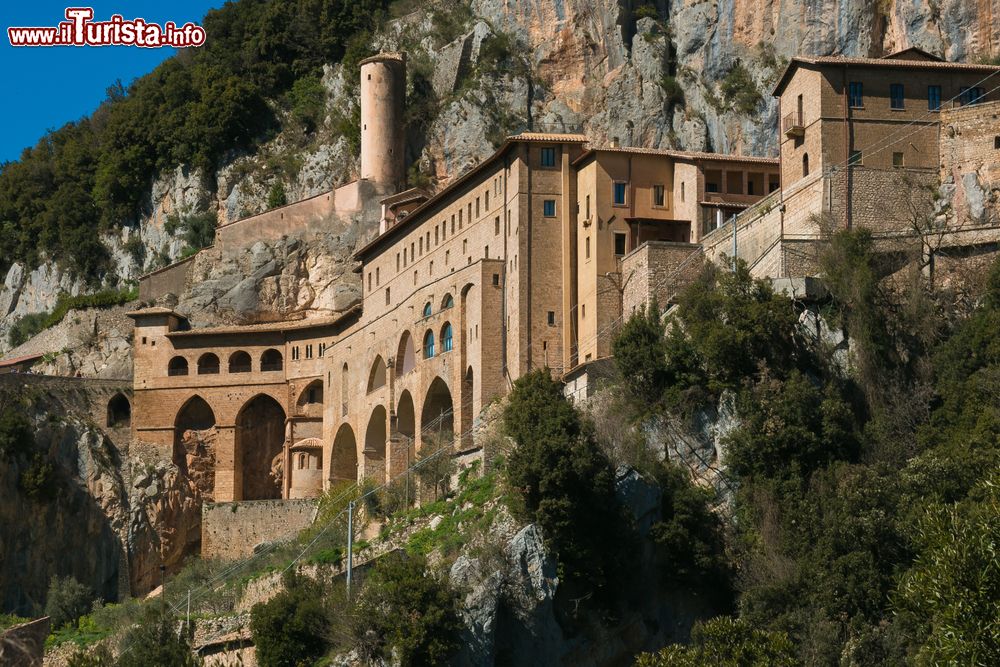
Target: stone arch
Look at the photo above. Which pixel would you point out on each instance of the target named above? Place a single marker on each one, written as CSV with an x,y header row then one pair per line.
x,y
428,309
312,394
406,358
271,360
119,411
463,328
208,364
260,440
447,302
344,456
428,344
446,337
437,414
375,438
240,362
406,423
194,443
376,376
177,366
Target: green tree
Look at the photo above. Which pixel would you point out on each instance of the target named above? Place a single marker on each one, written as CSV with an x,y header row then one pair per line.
x,y
407,612
276,197
640,354
290,629
154,642
725,642
67,601
17,437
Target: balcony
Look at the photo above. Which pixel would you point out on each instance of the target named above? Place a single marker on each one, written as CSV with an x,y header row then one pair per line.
x,y
792,125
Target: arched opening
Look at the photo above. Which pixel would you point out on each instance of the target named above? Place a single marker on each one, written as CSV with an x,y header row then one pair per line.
x,y
406,358
312,394
375,437
177,366
119,411
446,344
405,416
343,391
428,309
271,360
208,364
260,438
428,344
239,362
194,440
447,302
437,415
376,377
467,385
344,458
805,165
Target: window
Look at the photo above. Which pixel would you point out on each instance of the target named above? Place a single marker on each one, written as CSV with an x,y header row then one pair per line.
x,y
295,353
369,281
486,252
486,200
549,208
421,246
446,337
896,96
448,302
322,347
750,187
971,95
805,165
452,224
552,318
397,261
447,256
587,210
657,195
477,207
855,159
387,299
428,345
996,142
271,361
933,98
208,364
414,277
855,95
496,280
618,193
465,245
377,278
437,239
620,243
427,309
682,190
897,159
711,187
548,157
588,247
496,226
177,366
405,260
444,229
309,351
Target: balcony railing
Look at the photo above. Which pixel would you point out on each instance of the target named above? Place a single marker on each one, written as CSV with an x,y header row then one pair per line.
x,y
792,125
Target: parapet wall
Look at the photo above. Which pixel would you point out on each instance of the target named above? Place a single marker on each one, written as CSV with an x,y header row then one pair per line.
x,y
168,280
231,530
658,270
282,221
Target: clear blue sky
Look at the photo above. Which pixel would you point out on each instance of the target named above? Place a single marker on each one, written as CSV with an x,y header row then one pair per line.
x,y
46,87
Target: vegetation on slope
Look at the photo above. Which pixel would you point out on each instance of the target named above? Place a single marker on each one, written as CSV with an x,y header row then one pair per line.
x,y
93,175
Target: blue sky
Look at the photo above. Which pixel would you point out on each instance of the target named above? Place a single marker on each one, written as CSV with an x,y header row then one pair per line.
x,y
47,87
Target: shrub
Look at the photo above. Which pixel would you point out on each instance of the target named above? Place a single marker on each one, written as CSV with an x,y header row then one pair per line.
x,y
276,197
672,90
436,464
197,230
153,641
308,102
565,482
26,328
290,629
67,601
407,613
725,642
39,481
739,90
17,437
641,356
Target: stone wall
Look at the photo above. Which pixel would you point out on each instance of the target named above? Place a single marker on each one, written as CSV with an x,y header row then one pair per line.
x,y
231,530
168,280
658,269
970,161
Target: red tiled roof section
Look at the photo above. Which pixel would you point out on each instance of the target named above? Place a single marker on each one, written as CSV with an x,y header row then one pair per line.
x,y
19,360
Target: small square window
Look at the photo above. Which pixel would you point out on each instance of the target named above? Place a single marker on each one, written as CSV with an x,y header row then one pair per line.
x,y
996,142
897,159
548,157
856,159
496,280
620,243
549,208
618,194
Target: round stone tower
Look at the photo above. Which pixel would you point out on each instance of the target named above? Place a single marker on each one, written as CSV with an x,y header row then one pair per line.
x,y
383,92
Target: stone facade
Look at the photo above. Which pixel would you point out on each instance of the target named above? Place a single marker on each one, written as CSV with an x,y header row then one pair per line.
x,y
231,530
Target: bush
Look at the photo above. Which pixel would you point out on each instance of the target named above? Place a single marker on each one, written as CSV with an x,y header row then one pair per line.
x,y
725,642
67,601
39,481
641,356
153,641
308,102
276,197
672,90
290,629
564,481
17,436
739,90
406,612
197,230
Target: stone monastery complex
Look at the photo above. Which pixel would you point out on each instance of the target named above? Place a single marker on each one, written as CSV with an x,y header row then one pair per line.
x,y
532,258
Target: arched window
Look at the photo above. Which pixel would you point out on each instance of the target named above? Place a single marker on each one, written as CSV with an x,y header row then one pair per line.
x,y
239,362
447,302
805,165
376,377
428,344
427,309
208,364
177,366
119,411
446,337
271,360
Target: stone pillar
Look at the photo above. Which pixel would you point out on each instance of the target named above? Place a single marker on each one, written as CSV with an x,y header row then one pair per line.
x,y
228,481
